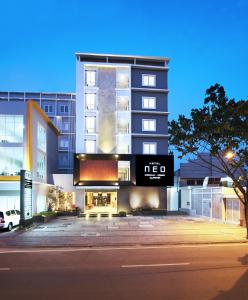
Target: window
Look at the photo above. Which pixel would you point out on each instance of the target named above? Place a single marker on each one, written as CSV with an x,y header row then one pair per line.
x,y
41,165
122,78
148,125
90,78
48,108
90,146
123,170
149,148
11,129
64,108
90,101
11,160
149,102
65,126
41,137
148,80
90,124
64,143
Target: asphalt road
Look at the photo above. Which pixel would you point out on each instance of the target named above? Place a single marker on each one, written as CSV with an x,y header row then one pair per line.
x,y
174,272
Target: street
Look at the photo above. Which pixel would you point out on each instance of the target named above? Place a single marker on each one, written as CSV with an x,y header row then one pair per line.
x,y
151,272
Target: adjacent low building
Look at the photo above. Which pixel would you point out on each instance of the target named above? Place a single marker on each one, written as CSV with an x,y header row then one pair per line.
x,y
28,140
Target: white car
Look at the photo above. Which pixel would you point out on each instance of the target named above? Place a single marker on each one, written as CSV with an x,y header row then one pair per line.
x,y
9,218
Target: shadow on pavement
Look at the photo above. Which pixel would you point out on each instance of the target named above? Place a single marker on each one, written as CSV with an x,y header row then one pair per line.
x,y
240,290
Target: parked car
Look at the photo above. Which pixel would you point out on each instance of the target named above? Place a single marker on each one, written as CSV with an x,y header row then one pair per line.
x,y
9,218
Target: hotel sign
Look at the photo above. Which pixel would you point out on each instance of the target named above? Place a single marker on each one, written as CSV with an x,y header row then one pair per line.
x,y
154,170
26,195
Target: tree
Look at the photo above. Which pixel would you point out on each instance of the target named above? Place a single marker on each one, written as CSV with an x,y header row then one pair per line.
x,y
220,128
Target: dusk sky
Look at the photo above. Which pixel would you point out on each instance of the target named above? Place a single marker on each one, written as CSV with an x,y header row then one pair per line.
x,y
206,41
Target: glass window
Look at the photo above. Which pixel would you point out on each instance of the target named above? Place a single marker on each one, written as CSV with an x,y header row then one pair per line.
x,y
90,146
11,161
90,101
122,78
48,108
149,102
90,124
64,143
64,108
65,126
90,78
148,80
11,129
41,165
149,125
149,148
124,170
41,137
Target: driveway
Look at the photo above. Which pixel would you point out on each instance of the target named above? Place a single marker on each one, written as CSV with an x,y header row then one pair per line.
x,y
74,231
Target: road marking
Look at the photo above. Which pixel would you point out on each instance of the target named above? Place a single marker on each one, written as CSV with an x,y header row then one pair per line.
x,y
4,269
156,265
106,248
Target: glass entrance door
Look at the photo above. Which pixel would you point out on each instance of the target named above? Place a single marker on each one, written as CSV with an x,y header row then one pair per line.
x,y
101,201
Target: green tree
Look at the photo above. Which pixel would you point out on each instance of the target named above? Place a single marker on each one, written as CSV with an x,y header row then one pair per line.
x,y
220,128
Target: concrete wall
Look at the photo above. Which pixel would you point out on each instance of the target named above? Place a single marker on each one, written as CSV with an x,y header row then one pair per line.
x,y
137,144
161,77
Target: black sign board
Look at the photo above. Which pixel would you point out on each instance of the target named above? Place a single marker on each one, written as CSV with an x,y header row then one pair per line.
x,y
26,196
154,170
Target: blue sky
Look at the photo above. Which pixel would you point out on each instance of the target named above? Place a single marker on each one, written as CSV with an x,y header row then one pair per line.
x,y
207,42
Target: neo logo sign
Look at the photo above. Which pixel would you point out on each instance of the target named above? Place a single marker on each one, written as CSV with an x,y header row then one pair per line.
x,y
154,170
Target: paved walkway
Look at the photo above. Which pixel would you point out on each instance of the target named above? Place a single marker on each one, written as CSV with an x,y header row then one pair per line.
x,y
74,231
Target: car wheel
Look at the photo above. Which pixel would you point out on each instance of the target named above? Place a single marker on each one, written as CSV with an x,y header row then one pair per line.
x,y
10,226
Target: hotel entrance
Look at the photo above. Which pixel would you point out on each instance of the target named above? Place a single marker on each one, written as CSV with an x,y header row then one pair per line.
x,y
101,202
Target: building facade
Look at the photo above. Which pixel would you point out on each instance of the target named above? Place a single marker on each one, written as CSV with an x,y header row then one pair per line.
x,y
60,108
122,109
28,141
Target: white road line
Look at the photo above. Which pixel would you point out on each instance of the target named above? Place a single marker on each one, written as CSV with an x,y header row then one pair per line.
x,y
9,251
155,265
4,269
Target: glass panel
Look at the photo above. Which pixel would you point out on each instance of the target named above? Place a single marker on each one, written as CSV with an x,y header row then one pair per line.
x,y
11,129
124,170
41,137
90,78
122,78
90,101
41,165
90,146
90,124
11,160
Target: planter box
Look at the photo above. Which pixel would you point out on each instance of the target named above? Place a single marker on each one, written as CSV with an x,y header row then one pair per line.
x,y
43,219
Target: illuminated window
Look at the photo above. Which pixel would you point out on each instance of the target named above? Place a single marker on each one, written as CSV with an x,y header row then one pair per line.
x,y
90,78
90,146
149,148
123,170
149,125
41,138
90,124
148,80
149,102
11,129
90,101
122,78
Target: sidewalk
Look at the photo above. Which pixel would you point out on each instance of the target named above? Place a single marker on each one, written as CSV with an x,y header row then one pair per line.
x,y
164,230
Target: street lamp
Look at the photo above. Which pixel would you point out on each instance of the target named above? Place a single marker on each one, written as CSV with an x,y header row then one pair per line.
x,y
229,155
